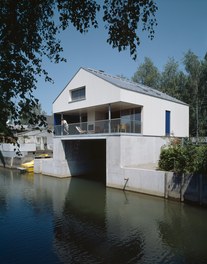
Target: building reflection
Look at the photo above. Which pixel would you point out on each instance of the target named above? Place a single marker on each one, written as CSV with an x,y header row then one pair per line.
x,y
88,223
83,234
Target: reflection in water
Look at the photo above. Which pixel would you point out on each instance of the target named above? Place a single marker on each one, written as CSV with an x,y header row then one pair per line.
x,y
184,231
81,235
49,220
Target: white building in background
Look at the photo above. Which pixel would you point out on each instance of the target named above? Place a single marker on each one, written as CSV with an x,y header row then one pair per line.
x,y
115,126
30,143
42,139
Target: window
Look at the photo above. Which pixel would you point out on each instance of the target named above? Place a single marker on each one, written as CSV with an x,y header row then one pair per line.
x,y
78,94
132,118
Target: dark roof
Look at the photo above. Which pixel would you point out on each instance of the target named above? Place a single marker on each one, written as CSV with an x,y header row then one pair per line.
x,y
132,86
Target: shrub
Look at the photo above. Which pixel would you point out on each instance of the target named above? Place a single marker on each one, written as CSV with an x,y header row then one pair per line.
x,y
184,158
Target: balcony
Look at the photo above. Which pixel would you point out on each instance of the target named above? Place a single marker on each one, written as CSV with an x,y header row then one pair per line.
x,y
118,125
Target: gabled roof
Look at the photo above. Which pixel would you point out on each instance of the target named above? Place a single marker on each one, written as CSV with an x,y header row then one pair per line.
x,y
132,86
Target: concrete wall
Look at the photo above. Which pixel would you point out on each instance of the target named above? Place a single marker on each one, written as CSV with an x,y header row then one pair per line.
x,y
74,158
138,180
52,167
9,150
10,158
125,156
127,151
57,166
137,150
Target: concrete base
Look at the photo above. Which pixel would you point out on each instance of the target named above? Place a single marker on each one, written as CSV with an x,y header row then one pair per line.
x,y
139,180
124,156
52,167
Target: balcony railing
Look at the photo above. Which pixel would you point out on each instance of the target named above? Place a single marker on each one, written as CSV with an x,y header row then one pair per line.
x,y
119,125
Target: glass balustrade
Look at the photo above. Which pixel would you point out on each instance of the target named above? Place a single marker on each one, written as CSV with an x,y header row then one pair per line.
x,y
118,125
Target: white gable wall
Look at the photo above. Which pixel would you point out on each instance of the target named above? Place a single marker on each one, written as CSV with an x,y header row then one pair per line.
x,y
98,92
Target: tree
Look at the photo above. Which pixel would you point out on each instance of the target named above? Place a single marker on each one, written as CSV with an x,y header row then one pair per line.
x,y
172,79
147,74
37,111
189,86
28,34
203,107
193,94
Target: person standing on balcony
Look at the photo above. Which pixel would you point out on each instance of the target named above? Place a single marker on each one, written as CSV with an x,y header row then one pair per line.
x,y
64,126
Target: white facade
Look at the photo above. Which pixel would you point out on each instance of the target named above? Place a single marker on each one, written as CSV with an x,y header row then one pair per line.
x,y
100,93
42,140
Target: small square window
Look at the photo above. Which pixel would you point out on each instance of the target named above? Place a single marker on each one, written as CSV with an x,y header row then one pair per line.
x,y
78,94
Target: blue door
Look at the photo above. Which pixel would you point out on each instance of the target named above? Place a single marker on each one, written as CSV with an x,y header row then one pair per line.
x,y
167,123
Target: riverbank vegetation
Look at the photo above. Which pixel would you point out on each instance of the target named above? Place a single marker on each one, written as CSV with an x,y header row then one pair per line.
x,y
184,156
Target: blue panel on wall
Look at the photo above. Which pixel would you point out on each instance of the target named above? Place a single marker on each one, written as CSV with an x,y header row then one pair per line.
x,y
57,119
167,122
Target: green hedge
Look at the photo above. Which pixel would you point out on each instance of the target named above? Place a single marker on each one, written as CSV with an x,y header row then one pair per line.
x,y
183,157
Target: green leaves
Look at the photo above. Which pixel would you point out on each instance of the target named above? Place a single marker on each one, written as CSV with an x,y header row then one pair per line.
x,y
81,14
28,34
187,158
189,85
123,18
147,74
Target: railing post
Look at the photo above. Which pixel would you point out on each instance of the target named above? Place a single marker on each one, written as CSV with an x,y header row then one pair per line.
x,y
109,113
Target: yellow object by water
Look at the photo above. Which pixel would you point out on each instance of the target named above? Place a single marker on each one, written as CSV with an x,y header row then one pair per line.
x,y
28,166
42,156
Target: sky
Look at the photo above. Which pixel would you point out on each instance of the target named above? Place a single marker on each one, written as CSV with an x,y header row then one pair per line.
x,y
181,27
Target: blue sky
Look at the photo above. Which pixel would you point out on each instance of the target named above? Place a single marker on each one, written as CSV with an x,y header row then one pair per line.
x,y
181,26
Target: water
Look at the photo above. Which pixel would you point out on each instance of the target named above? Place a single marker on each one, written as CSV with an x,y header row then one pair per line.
x,y
49,220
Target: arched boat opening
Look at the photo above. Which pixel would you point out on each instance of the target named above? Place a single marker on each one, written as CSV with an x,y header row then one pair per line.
x,y
86,158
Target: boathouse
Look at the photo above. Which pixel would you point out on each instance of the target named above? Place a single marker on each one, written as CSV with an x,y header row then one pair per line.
x,y
113,129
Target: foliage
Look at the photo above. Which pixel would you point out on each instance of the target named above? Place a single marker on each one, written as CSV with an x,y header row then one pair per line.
x,y
36,111
147,74
172,159
172,80
28,34
184,158
122,19
188,85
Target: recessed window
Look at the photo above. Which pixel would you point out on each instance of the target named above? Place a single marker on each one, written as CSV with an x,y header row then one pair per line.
x,y
78,94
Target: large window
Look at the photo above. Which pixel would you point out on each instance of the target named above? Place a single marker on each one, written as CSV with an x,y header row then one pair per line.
x,y
132,119
78,94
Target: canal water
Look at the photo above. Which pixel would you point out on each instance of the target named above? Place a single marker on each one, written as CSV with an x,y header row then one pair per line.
x,y
49,220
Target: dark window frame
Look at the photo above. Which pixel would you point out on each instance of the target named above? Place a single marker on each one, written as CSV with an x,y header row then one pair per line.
x,y
78,94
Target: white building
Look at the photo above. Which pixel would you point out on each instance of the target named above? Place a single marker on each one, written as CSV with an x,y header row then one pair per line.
x,y
116,128
42,139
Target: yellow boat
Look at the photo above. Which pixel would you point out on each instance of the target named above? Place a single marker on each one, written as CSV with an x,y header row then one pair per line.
x,y
27,166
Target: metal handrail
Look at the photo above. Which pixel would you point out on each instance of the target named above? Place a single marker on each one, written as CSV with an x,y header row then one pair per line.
x,y
117,125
